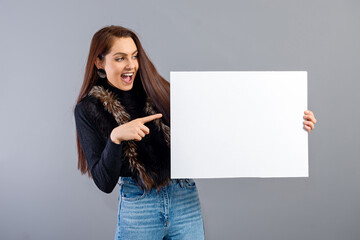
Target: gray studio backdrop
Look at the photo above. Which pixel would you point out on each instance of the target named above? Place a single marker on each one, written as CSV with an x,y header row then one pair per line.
x,y
44,46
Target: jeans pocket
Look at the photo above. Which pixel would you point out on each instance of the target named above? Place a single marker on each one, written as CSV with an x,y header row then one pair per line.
x,y
189,183
131,192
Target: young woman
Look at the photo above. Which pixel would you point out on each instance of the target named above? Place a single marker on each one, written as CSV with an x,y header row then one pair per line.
x,y
122,120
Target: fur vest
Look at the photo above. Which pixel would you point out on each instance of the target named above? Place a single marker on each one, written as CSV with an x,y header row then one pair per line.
x,y
146,176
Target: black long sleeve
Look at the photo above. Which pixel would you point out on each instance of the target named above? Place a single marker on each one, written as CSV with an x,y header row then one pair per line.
x,y
106,159
103,157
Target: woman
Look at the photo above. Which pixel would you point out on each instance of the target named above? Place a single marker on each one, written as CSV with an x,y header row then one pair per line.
x,y
123,136
120,134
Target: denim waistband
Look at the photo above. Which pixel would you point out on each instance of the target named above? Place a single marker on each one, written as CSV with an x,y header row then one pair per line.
x,y
172,181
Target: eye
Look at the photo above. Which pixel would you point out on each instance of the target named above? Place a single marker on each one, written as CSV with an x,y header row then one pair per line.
x,y
136,56
118,59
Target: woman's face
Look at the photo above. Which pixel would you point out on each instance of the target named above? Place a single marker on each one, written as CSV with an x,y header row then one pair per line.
x,y
122,59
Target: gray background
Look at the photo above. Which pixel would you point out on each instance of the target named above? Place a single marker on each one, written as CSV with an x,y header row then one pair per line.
x,y
44,46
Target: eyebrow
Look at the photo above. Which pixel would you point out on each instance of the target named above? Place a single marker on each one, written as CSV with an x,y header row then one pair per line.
x,y
124,53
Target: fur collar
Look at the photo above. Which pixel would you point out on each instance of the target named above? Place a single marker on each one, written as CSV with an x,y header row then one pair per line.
x,y
145,177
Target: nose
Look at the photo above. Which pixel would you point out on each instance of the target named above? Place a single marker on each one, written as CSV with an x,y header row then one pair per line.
x,y
131,64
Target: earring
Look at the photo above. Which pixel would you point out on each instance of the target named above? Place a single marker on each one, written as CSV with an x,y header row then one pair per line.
x,y
101,73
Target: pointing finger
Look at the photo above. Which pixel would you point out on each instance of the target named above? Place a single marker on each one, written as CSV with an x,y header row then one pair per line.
x,y
150,118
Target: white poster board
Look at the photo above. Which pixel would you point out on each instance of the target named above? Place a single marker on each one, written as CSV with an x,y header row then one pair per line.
x,y
227,124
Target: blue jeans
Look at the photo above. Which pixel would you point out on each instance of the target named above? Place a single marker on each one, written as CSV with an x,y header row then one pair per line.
x,y
172,213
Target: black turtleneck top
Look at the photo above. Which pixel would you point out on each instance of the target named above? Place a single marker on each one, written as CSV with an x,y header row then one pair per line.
x,y
105,158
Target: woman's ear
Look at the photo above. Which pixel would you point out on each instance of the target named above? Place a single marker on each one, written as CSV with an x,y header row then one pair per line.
x,y
98,63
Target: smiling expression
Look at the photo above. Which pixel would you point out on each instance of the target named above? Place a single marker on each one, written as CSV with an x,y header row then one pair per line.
x,y
121,63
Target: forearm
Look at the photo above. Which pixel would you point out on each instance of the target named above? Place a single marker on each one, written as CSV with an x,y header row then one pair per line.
x,y
106,170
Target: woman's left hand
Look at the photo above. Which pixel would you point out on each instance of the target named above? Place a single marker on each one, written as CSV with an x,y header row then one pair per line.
x,y
310,124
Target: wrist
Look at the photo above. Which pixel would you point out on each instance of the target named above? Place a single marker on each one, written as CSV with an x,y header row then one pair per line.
x,y
113,137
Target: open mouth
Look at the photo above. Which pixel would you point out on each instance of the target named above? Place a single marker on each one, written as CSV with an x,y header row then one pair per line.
x,y
127,77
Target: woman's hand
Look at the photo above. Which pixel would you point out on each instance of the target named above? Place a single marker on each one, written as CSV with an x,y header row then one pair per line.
x,y
309,125
133,130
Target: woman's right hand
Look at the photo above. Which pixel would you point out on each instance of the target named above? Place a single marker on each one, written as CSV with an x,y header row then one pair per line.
x,y
133,130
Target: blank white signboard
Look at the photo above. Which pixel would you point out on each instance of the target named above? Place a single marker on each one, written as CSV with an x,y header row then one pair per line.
x,y
227,124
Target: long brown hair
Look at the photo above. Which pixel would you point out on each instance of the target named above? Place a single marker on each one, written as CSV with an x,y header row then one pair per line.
x,y
154,85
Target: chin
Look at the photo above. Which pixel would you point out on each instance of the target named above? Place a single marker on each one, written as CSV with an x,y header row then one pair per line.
x,y
129,87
